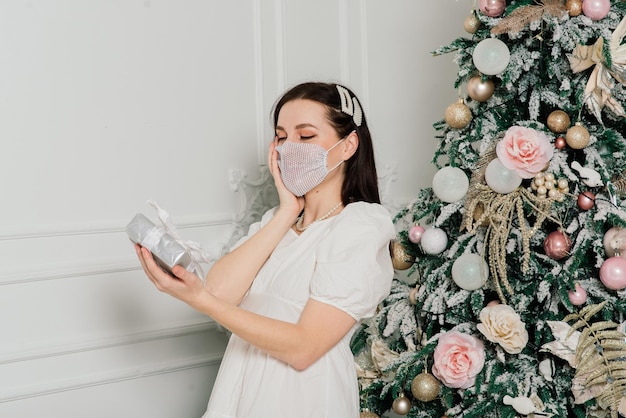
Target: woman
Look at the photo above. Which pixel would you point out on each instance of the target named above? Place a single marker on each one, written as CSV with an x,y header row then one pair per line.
x,y
293,291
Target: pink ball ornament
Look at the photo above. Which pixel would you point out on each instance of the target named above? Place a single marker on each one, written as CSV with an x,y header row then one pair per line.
x,y
613,273
578,296
560,143
415,234
596,9
492,8
586,200
557,245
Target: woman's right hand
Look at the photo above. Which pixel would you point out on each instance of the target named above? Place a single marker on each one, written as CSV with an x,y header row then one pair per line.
x,y
288,201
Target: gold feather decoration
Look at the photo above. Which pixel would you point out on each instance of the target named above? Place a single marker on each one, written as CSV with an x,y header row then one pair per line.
x,y
519,18
620,183
495,211
600,360
602,79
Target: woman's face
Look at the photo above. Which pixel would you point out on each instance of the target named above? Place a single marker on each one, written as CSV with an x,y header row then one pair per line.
x,y
305,121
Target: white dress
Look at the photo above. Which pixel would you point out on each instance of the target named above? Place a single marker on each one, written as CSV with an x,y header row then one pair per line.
x,y
343,261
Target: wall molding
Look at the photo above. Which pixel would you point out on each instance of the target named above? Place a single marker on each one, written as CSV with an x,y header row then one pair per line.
x,y
180,330
344,43
45,273
112,227
364,52
105,378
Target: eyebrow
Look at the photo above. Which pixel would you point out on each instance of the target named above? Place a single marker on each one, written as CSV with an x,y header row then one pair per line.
x,y
300,126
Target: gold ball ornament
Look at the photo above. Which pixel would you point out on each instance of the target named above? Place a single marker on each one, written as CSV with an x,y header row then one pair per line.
x,y
400,259
401,405
366,413
574,7
479,89
577,137
471,24
458,115
558,121
425,387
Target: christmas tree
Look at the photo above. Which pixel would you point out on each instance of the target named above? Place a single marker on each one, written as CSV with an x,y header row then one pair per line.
x,y
510,291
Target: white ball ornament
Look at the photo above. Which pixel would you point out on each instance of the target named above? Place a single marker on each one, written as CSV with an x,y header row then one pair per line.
x,y
470,271
434,241
501,179
450,184
491,56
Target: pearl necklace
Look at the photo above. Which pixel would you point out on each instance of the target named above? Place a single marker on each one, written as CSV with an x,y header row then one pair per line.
x,y
300,219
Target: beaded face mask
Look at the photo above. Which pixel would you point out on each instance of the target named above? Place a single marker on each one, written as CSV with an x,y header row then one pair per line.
x,y
303,166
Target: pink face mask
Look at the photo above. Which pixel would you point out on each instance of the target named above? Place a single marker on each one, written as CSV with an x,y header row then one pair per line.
x,y
303,166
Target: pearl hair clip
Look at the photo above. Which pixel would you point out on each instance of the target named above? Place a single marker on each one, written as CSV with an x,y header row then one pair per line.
x,y
350,105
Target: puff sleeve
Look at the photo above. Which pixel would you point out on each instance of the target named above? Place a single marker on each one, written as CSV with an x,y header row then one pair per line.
x,y
354,270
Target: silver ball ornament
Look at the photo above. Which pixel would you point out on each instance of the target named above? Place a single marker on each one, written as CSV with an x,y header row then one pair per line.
x,y
479,89
401,405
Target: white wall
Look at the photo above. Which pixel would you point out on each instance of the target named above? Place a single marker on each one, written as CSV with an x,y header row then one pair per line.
x,y
107,103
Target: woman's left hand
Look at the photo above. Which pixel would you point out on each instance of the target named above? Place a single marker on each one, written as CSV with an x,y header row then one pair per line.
x,y
184,285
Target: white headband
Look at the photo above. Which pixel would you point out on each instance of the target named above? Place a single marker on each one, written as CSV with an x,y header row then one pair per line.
x,y
350,105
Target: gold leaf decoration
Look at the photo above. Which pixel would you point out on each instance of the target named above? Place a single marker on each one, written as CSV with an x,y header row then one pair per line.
x,y
598,91
600,360
519,18
620,183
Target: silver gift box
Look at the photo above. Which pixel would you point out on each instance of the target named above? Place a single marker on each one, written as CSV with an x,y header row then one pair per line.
x,y
166,250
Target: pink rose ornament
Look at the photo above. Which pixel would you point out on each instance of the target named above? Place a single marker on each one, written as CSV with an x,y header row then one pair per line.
x,y
458,359
524,150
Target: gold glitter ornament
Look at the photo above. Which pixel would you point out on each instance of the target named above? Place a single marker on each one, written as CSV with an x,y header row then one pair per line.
x,y
400,259
574,7
425,387
401,405
458,115
577,136
366,413
479,89
558,121
471,24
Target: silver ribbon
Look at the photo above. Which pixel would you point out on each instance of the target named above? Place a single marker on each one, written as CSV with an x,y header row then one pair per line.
x,y
196,253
